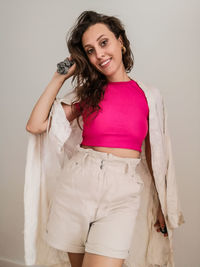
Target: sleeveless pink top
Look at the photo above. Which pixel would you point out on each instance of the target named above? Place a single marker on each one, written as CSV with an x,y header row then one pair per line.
x,y
122,121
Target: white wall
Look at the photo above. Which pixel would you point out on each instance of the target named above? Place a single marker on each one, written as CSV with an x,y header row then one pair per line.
x,y
165,41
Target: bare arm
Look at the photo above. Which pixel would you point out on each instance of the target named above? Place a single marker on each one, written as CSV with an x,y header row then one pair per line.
x,y
160,221
68,112
38,120
148,156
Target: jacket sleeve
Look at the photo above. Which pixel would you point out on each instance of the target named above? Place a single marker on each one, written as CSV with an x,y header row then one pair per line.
x,y
60,127
174,213
58,131
32,196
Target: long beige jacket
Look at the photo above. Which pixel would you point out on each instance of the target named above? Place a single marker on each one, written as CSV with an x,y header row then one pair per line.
x,y
46,156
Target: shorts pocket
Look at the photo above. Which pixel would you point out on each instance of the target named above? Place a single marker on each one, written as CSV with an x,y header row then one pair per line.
x,y
137,182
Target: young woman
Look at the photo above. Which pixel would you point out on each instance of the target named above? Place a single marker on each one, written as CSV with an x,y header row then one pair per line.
x,y
98,194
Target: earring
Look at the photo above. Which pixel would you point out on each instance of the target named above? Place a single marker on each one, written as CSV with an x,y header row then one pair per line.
x,y
123,49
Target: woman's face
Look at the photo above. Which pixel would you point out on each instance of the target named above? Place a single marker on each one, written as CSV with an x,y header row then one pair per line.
x,y
100,45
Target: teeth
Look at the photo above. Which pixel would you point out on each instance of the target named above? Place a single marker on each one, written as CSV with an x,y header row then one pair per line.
x,y
105,62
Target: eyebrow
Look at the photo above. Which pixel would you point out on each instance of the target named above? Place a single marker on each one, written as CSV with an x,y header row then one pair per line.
x,y
96,40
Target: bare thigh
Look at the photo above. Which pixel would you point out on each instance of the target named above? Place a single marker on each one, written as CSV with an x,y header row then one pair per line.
x,y
94,260
76,259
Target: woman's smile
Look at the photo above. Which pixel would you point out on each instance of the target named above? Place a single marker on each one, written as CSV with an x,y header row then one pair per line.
x,y
106,63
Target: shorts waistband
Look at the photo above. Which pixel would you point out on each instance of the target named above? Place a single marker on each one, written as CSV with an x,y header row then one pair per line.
x,y
107,156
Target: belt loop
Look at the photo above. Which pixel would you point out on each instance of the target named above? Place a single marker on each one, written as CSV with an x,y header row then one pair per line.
x,y
127,167
131,168
101,166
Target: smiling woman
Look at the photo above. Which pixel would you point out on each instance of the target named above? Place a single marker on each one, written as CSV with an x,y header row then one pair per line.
x,y
95,206
105,54
99,46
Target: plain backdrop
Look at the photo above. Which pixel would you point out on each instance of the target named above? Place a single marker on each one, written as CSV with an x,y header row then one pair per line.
x,y
165,40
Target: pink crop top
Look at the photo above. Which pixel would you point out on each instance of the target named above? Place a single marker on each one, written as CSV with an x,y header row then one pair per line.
x,y
122,121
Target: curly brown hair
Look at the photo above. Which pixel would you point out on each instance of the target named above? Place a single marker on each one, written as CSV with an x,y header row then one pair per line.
x,y
91,83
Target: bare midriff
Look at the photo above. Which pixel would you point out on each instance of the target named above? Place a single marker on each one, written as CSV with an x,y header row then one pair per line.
x,y
120,152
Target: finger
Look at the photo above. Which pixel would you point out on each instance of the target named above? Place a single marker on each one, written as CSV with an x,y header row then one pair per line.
x,y
162,220
69,58
157,228
165,234
156,223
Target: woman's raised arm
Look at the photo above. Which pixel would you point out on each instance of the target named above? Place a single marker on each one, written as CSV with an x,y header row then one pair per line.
x,y
37,122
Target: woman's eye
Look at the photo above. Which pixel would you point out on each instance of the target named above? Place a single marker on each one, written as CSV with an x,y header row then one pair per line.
x,y
89,51
105,41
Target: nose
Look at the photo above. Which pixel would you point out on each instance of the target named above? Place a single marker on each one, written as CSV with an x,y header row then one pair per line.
x,y
99,53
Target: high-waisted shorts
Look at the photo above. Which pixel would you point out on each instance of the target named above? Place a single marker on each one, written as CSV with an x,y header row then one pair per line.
x,y
95,204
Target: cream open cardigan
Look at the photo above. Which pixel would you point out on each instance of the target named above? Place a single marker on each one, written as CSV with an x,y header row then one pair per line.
x,y
46,156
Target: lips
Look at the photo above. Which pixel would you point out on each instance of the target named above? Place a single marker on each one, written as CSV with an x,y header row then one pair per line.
x,y
105,62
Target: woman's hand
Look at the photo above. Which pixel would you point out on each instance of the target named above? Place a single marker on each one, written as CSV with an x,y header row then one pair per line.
x,y
69,73
71,69
160,220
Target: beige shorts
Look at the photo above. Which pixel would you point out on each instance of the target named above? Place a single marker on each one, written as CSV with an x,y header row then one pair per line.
x,y
95,204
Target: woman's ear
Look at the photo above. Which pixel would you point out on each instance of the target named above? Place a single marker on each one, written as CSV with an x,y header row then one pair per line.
x,y
120,39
